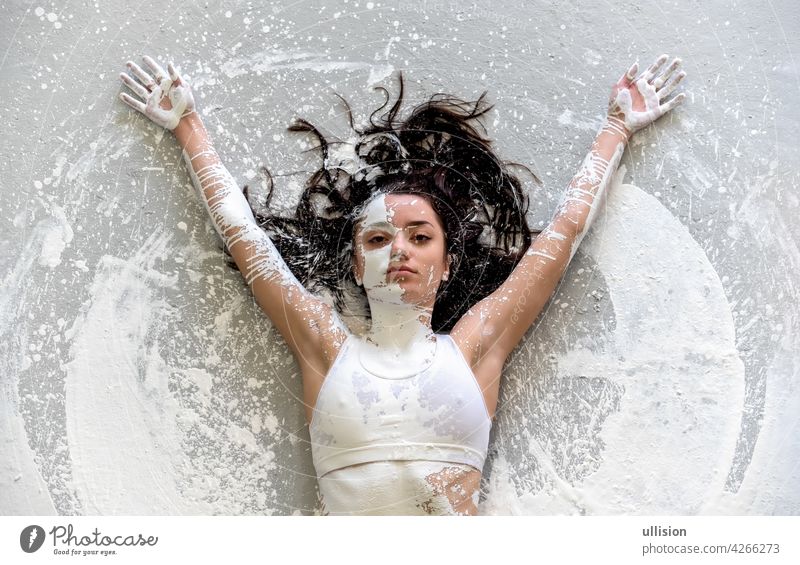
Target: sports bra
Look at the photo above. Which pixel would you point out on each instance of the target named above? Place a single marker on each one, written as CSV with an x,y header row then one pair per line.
x,y
438,414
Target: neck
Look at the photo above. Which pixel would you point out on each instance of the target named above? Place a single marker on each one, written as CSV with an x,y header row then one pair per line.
x,y
399,326
400,343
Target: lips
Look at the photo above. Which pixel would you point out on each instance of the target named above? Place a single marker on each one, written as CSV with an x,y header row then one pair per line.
x,y
400,269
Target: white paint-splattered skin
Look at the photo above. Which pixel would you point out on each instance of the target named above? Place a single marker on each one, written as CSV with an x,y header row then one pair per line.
x,y
400,338
635,102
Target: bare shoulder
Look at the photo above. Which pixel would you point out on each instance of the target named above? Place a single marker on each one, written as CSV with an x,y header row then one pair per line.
x,y
315,363
485,360
465,334
475,340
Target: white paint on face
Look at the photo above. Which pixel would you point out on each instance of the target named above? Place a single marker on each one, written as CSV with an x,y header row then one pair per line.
x,y
400,341
376,261
379,214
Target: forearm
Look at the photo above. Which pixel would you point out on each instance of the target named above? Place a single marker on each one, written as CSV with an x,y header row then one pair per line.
x,y
512,308
577,211
636,101
218,190
227,206
550,253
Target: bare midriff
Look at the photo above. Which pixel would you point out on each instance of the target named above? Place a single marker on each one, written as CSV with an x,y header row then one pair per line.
x,y
402,488
460,485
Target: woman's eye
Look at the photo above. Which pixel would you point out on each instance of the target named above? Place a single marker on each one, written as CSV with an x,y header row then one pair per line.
x,y
378,239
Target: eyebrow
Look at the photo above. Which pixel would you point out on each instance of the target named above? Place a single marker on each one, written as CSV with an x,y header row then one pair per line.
x,y
409,225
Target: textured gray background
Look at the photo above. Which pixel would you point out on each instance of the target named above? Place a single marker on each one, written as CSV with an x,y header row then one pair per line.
x,y
137,374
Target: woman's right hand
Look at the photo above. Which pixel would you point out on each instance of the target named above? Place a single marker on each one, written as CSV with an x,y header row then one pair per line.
x,y
167,99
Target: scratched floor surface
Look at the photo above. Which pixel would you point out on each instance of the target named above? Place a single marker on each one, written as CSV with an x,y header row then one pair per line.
x,y
139,376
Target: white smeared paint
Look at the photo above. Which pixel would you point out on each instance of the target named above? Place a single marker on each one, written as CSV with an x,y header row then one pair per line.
x,y
55,239
117,384
270,62
654,85
23,490
146,431
769,474
233,218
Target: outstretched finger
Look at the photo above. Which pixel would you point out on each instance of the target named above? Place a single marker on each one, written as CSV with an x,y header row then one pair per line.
x,y
662,78
173,74
135,104
159,72
670,87
145,78
671,103
628,77
651,70
137,88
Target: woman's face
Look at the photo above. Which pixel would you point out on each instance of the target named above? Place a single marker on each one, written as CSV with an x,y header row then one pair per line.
x,y
400,252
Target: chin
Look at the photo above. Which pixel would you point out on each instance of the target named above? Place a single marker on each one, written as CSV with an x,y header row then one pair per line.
x,y
418,299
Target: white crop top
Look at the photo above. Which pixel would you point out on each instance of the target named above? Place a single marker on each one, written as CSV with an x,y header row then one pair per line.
x,y
438,414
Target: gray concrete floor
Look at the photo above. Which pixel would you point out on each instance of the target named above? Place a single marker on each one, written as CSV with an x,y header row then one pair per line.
x,y
139,377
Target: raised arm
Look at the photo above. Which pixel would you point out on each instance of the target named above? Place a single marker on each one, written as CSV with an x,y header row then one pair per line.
x,y
311,327
494,326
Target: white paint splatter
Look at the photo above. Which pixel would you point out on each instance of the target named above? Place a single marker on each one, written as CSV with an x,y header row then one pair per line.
x,y
56,236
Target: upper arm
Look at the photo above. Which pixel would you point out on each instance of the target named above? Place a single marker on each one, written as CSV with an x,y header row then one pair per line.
x,y
311,328
493,327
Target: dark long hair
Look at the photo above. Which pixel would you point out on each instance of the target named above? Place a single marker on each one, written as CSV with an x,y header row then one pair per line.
x,y
435,152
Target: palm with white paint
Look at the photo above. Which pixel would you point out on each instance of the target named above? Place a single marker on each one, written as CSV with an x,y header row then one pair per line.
x,y
167,99
639,101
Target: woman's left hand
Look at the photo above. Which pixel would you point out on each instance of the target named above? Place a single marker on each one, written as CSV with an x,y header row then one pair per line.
x,y
639,101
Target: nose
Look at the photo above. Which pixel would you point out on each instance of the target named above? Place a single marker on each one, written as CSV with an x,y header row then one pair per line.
x,y
399,246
